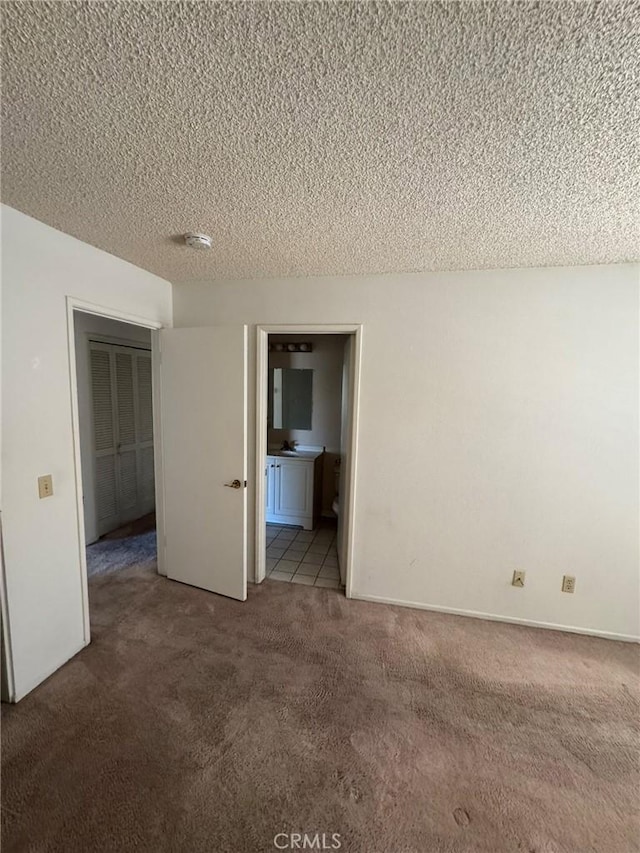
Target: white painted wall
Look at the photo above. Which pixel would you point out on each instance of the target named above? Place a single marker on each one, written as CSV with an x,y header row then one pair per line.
x,y
499,430
85,326
40,267
325,360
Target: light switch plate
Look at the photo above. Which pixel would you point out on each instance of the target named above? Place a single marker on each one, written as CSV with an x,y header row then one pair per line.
x,y
517,579
45,486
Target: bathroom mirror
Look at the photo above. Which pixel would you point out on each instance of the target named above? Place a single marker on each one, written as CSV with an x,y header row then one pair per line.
x,y
290,398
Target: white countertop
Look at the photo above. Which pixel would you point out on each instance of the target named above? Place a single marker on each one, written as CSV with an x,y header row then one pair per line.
x,y
303,453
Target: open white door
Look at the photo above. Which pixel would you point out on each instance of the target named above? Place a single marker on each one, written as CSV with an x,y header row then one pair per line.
x,y
204,448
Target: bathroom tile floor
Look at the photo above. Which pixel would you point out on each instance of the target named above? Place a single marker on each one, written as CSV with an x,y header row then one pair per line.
x,y
308,557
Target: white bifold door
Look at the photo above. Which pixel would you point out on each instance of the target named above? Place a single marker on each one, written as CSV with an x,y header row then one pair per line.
x,y
204,456
122,410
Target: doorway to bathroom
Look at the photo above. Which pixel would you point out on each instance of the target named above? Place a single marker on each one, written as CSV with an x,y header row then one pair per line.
x,y
307,405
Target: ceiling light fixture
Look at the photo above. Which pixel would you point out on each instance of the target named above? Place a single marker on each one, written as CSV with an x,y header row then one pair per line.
x,y
197,241
295,347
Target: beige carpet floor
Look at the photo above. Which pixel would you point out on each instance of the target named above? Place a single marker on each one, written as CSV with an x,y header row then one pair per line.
x,y
197,723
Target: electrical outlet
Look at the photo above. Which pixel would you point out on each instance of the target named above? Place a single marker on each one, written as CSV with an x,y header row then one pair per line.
x,y
517,579
45,486
568,583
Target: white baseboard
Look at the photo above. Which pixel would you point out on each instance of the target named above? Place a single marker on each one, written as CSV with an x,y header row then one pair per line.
x,y
493,617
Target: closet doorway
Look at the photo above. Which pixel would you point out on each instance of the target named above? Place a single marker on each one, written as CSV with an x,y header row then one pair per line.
x,y
122,433
114,380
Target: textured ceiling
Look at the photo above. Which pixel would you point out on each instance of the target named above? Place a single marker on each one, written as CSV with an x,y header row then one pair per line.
x,y
320,138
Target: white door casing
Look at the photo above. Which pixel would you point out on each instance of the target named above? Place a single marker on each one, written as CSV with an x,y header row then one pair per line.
x,y
73,305
204,448
348,472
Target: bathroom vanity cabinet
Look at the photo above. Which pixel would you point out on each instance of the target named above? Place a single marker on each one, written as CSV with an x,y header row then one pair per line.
x,y
294,488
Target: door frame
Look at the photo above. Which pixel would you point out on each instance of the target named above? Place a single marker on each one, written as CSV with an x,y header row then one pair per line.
x,y
262,364
74,304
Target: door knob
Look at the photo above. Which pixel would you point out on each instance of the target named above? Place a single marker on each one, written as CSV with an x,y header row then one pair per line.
x,y
235,484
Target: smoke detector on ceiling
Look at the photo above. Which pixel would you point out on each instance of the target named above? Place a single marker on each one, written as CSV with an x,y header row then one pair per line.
x,y
197,241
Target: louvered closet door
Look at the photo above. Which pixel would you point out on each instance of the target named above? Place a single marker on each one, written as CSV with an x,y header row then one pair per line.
x,y
104,439
127,466
123,434
146,478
